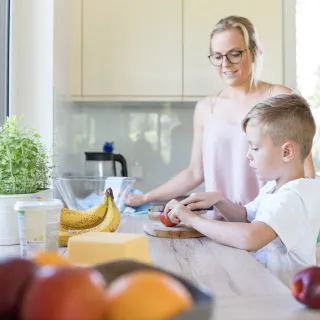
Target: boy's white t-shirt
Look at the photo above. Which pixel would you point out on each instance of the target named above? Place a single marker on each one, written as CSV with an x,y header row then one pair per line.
x,y
293,212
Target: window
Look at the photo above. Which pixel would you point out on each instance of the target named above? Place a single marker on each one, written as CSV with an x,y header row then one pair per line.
x,y
4,59
308,62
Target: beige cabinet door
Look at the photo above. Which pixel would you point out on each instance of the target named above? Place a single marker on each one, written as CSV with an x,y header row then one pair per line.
x,y
76,47
132,49
200,16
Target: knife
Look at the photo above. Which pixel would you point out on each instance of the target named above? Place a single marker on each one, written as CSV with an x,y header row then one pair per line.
x,y
206,209
160,208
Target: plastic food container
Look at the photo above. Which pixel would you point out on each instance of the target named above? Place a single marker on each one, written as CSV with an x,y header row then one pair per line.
x,y
38,223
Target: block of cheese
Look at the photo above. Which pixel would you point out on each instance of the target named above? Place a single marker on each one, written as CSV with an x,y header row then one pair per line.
x,y
98,247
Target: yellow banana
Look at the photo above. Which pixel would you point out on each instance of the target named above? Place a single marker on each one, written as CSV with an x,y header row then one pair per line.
x,y
80,219
110,223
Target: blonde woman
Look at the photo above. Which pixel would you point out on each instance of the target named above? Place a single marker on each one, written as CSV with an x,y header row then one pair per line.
x,y
219,145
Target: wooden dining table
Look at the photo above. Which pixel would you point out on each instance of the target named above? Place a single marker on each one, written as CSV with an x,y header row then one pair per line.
x,y
242,287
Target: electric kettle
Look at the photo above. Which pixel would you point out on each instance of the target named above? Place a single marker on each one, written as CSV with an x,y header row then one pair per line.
x,y
103,164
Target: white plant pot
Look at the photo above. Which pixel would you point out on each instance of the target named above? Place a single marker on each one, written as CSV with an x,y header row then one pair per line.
x,y
9,232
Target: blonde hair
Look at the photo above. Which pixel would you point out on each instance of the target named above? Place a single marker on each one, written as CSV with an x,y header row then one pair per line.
x,y
251,39
285,117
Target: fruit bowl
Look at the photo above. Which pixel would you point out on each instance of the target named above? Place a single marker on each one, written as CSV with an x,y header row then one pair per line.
x,y
81,193
203,300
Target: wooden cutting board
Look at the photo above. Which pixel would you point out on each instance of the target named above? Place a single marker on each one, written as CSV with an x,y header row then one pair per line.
x,y
153,215
157,229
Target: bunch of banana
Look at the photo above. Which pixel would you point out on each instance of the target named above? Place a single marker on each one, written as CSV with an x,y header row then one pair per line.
x,y
109,223
81,219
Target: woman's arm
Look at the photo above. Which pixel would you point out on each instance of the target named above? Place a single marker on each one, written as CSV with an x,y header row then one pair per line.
x,y
187,179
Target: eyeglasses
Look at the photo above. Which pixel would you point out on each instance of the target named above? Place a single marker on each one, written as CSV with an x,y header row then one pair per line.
x,y
233,57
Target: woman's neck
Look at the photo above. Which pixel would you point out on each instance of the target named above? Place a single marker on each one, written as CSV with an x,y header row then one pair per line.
x,y
243,90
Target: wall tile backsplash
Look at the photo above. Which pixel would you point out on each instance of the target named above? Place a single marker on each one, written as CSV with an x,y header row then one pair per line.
x,y
154,137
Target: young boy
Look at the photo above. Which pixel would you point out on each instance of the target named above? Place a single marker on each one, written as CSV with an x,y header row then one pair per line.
x,y
282,224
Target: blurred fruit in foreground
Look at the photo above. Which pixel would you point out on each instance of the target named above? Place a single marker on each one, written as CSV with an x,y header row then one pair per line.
x,y
15,276
50,258
65,294
306,287
146,295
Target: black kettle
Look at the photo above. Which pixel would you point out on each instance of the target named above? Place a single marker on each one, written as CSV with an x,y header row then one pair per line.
x,y
103,164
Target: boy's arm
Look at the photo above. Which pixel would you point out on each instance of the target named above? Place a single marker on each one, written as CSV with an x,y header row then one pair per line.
x,y
230,211
247,236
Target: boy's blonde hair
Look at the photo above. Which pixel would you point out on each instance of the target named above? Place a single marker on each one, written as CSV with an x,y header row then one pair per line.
x,y
285,117
251,39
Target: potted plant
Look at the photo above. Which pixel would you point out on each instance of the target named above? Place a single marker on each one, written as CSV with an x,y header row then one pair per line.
x,y
25,169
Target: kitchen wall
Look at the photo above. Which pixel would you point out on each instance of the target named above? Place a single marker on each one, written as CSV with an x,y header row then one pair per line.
x,y
154,137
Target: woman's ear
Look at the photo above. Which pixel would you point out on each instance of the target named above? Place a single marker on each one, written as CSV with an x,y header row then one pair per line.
x,y
288,151
252,57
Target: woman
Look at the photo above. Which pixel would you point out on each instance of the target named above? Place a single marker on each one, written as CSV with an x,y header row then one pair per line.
x,y
219,145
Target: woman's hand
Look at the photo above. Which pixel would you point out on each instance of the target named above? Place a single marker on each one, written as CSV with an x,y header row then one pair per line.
x,y
177,213
135,200
202,200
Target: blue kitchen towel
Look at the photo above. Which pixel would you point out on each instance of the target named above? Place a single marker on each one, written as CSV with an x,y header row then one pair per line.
x,y
90,201
144,206
93,199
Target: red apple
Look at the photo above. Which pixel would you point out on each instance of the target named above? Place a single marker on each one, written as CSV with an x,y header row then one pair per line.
x,y
15,275
306,287
166,221
65,293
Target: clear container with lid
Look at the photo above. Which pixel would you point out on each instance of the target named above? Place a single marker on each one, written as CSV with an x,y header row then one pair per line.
x,y
38,223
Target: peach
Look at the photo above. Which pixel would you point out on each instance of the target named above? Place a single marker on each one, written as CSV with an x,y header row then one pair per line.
x,y
166,221
67,293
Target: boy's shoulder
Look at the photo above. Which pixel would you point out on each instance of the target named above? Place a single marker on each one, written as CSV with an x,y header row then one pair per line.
x,y
304,188
297,184
302,185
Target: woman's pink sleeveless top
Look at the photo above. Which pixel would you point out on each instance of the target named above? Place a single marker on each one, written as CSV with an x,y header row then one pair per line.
x,y
225,165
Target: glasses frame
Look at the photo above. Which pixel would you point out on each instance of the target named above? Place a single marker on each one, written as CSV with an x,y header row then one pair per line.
x,y
226,55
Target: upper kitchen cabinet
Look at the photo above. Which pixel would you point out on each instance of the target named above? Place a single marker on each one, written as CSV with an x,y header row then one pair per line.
x,y
76,48
199,19
132,50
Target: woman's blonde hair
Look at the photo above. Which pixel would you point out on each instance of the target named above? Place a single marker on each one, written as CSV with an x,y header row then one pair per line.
x,y
250,36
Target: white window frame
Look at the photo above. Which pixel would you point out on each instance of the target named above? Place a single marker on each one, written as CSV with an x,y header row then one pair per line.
x,y
4,59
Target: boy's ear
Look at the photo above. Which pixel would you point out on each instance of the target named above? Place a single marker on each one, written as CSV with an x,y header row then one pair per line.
x,y
288,151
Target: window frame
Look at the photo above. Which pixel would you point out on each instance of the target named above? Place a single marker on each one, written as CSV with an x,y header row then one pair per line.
x,y
4,58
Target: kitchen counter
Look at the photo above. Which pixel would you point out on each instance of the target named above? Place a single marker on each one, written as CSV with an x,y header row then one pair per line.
x,y
243,288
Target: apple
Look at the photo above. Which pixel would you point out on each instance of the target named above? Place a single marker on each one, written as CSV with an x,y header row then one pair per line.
x,y
66,293
166,221
306,287
15,275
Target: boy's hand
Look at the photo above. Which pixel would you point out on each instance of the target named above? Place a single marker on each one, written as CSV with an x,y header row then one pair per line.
x,y
177,213
202,200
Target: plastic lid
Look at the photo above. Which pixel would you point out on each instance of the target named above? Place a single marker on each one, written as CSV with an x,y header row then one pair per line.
x,y
22,205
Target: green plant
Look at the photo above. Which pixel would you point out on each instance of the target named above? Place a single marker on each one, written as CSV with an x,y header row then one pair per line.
x,y
24,160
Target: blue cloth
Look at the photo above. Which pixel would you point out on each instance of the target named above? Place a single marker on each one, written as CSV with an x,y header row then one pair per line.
x,y
144,206
93,199
90,201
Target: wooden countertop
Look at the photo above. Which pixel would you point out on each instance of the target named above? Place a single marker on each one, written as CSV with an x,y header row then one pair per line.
x,y
243,288
226,271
